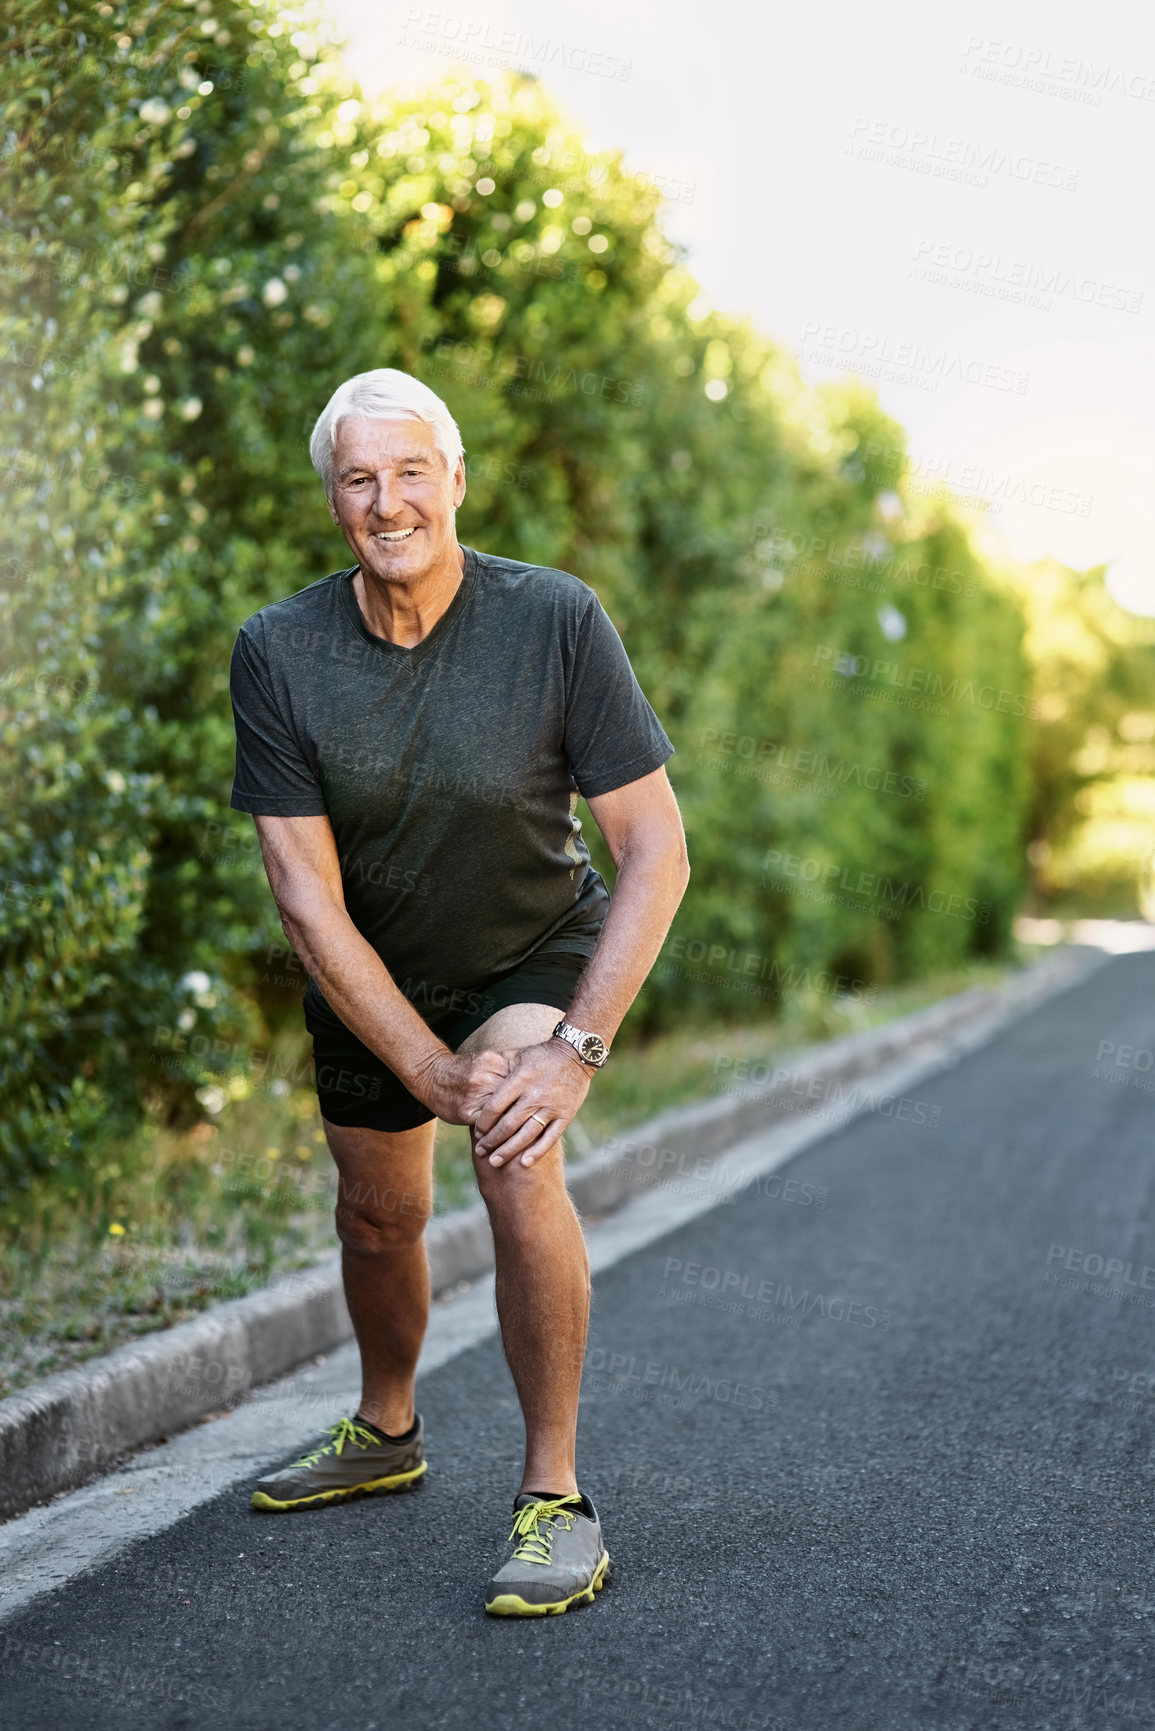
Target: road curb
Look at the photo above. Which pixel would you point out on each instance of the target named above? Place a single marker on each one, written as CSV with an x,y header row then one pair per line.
x,y
60,1431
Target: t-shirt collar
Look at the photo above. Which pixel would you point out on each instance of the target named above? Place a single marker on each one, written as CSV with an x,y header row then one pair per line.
x,y
440,630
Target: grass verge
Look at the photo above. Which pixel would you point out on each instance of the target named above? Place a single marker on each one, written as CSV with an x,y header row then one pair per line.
x,y
214,1212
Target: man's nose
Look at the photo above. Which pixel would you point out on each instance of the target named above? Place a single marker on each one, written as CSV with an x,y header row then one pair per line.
x,y
388,500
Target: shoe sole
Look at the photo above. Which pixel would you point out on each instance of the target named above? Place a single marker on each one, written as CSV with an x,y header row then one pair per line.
x,y
372,1488
513,1605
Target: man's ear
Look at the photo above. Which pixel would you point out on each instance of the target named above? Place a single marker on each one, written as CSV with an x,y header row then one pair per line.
x,y
332,511
459,483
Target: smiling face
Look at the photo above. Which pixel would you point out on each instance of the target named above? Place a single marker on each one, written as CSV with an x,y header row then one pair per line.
x,y
394,498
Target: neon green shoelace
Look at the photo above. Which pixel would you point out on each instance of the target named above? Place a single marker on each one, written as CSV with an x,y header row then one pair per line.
x,y
535,1524
342,1432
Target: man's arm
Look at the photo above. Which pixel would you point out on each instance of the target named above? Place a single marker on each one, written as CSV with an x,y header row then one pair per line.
x,y
300,855
643,831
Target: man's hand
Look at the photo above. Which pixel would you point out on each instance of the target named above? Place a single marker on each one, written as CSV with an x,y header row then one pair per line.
x,y
529,1110
456,1087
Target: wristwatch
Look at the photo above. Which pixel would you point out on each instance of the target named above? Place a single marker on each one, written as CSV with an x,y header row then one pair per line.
x,y
590,1048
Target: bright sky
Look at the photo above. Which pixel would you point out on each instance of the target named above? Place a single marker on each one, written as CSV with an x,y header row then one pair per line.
x,y
953,201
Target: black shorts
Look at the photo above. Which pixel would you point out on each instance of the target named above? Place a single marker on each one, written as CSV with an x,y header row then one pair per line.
x,y
357,1090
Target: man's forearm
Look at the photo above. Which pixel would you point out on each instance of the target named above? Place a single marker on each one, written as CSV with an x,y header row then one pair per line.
x,y
359,987
646,895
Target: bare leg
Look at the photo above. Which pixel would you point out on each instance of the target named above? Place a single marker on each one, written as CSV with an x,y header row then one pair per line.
x,y
384,1198
543,1281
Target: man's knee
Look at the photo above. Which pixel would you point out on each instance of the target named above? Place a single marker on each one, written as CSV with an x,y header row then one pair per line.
x,y
374,1222
517,1192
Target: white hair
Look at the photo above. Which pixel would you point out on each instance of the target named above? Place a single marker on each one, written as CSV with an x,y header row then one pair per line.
x,y
382,395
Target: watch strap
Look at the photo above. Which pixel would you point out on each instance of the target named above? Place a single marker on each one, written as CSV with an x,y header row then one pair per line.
x,y
582,1040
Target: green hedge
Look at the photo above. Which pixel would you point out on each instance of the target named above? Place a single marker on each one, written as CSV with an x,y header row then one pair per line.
x,y
187,273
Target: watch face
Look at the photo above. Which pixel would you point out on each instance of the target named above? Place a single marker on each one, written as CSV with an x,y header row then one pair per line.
x,y
593,1050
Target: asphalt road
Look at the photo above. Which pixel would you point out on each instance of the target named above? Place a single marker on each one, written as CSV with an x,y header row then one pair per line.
x,y
903,1480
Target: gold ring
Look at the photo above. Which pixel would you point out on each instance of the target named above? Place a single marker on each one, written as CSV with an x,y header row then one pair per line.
x,y
544,1122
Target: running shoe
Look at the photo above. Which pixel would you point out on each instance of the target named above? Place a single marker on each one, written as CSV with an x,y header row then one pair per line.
x,y
355,1462
558,1560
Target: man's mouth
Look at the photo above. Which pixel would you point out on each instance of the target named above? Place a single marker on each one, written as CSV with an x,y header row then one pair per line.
x,y
394,534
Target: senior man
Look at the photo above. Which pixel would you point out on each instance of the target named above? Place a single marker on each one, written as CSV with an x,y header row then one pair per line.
x,y
413,734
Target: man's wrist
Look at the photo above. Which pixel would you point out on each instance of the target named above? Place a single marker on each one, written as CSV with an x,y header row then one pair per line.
x,y
589,1048
574,1056
419,1075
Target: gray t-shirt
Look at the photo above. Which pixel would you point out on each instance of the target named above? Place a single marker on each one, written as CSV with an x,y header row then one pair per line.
x,y
450,772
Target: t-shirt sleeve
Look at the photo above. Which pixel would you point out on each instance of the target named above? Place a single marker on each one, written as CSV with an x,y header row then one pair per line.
x,y
612,736
274,777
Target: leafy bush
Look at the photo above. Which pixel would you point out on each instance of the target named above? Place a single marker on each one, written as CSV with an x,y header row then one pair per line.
x,y
205,230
